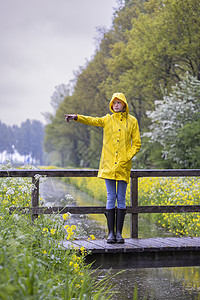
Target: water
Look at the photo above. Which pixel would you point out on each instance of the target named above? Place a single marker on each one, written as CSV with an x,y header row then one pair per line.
x,y
151,284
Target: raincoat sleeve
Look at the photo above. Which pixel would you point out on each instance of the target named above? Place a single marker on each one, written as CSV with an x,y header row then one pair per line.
x,y
136,141
93,121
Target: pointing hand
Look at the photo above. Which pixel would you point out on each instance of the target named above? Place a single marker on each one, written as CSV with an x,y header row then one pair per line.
x,y
70,117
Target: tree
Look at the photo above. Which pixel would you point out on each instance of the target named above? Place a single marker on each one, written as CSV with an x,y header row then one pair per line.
x,y
148,49
188,145
172,120
61,91
37,137
24,138
3,137
59,139
161,44
27,140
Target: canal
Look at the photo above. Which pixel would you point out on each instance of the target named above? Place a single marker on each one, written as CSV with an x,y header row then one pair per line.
x,y
155,284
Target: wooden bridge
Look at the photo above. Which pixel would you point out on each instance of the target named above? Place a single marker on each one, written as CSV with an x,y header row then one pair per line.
x,y
135,253
141,253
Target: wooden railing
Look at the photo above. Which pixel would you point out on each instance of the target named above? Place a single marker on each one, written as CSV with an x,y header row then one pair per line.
x,y
134,209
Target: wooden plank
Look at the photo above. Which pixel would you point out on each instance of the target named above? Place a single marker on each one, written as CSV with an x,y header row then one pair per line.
x,y
185,242
166,173
60,210
35,196
88,245
131,242
151,244
134,206
164,243
101,246
115,248
169,245
49,173
101,209
143,244
140,244
163,209
93,173
74,209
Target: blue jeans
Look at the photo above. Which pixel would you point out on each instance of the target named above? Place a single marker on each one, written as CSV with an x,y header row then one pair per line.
x,y
112,195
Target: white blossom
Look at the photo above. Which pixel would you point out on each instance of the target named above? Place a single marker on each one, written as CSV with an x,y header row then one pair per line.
x,y
173,112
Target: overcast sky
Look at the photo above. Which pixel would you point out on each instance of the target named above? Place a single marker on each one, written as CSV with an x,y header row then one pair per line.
x,y
42,42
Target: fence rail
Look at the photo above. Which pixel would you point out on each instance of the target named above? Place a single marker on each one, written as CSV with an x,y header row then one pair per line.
x,y
134,209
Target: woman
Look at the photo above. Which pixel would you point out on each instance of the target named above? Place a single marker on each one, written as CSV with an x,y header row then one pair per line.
x,y
121,142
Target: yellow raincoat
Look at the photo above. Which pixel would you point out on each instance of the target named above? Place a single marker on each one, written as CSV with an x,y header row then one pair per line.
x,y
121,141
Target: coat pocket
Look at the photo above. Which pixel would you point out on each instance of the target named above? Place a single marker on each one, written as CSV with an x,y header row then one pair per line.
x,y
129,155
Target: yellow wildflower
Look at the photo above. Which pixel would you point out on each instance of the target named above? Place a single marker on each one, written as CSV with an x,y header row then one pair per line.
x,y
76,266
69,230
53,231
82,249
92,237
65,217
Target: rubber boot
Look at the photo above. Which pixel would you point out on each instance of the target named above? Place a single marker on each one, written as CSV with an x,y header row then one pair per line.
x,y
119,225
110,215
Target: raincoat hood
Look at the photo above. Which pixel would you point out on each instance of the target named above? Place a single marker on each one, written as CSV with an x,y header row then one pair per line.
x,y
121,97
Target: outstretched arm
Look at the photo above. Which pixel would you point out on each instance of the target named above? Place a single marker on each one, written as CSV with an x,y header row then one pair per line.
x,y
93,121
70,117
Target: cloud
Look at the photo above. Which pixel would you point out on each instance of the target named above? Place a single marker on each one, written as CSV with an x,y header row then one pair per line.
x,y
42,44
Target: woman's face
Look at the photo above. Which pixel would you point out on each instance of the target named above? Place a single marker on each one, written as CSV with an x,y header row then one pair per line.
x,y
118,105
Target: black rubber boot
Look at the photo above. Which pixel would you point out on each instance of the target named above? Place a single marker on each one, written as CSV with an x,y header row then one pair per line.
x,y
119,225
110,215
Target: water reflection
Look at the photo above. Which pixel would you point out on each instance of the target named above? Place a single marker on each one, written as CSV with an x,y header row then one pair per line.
x,y
155,284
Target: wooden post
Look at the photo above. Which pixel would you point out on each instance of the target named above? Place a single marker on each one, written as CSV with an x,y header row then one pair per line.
x,y
35,195
134,203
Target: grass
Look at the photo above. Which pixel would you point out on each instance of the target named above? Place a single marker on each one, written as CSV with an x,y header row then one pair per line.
x,y
33,264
